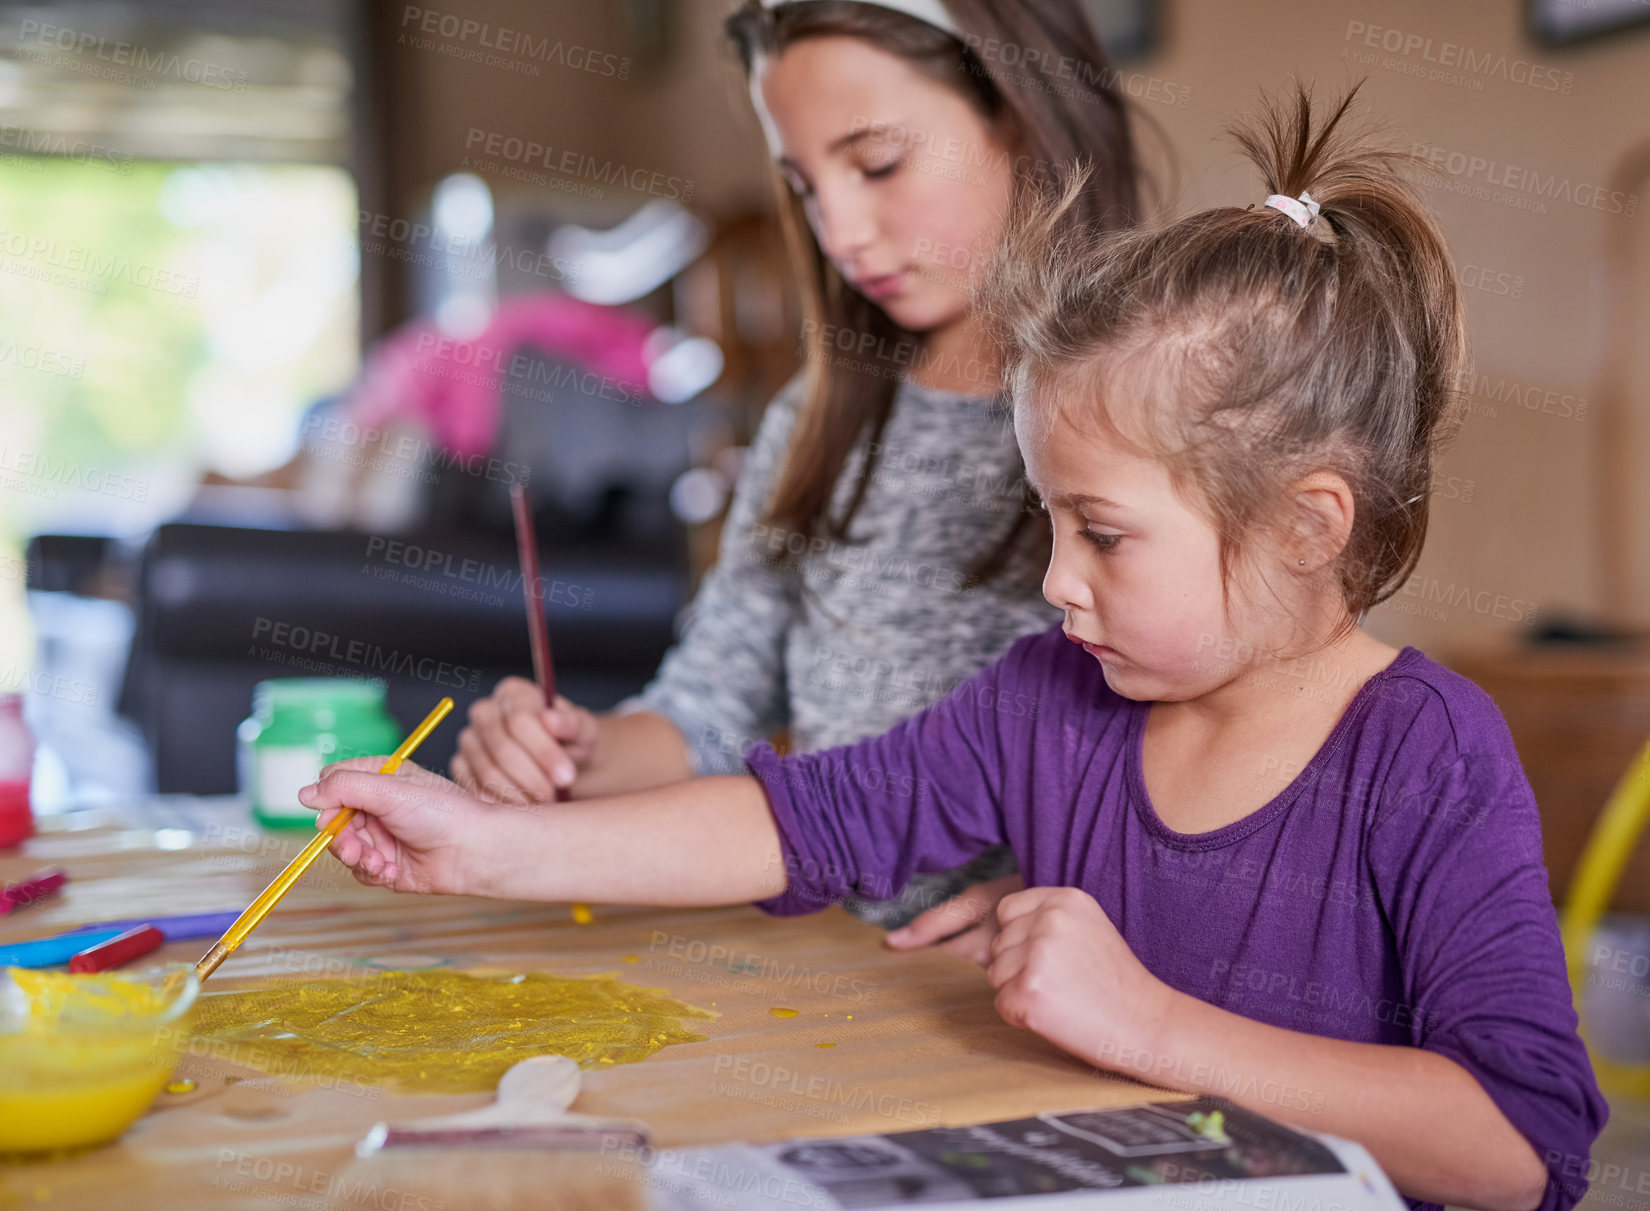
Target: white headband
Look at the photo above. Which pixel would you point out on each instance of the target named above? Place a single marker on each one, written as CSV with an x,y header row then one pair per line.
x,y
1302,209
931,11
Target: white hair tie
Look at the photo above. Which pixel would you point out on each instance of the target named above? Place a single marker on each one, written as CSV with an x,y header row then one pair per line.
x,y
1302,209
931,11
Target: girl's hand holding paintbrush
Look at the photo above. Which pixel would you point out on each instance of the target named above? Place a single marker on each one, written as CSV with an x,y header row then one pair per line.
x,y
421,833
709,841
517,749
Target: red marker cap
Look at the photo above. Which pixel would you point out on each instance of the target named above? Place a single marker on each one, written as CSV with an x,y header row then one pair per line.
x,y
27,891
118,950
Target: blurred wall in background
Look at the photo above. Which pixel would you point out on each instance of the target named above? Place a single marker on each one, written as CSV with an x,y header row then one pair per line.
x,y
1515,515
1532,133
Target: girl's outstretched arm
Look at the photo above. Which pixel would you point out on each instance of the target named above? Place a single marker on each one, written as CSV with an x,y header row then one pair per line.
x,y
707,841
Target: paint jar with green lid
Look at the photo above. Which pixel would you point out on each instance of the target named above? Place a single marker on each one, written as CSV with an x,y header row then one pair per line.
x,y
299,725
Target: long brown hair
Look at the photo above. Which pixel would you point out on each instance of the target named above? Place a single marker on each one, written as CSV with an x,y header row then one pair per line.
x,y
1341,346
1032,67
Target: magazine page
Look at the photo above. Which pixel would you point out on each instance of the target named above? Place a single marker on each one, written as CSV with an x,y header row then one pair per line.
x,y
1173,1156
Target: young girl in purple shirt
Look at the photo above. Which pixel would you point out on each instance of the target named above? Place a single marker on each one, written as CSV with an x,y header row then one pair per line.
x,y
1266,855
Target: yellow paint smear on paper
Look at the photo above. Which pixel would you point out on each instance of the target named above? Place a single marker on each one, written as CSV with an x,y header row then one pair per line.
x,y
440,1030
783,1013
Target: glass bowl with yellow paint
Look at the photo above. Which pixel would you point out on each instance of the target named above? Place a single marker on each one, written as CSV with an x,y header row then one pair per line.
x,y
82,1056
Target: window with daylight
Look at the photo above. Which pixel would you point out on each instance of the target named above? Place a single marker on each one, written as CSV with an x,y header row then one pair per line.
x,y
179,275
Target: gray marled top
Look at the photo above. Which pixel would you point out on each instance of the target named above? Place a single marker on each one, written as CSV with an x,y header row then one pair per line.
x,y
853,638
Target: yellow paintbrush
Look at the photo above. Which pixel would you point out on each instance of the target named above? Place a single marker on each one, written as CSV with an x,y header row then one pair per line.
x,y
271,895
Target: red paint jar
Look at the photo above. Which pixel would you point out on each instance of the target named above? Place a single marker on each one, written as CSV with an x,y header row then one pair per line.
x,y
16,765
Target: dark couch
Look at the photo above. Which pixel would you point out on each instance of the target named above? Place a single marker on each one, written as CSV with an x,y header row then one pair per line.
x,y
222,608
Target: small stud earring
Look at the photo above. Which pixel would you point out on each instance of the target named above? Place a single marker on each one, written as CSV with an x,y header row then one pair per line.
x,y
1303,563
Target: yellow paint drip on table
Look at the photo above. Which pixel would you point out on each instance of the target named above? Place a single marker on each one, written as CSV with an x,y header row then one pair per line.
x,y
783,1013
441,1030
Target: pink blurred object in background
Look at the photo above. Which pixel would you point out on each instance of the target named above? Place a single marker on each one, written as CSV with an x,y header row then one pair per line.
x,y
452,387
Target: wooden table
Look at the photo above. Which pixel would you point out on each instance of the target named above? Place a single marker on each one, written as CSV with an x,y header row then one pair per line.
x,y
917,1040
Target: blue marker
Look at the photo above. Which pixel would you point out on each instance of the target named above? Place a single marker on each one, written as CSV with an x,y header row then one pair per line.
x,y
48,952
60,948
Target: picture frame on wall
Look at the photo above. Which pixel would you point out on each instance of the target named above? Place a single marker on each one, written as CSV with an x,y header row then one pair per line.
x,y
1563,22
1128,29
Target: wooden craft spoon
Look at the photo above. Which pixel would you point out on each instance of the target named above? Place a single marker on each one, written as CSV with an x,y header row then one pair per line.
x,y
529,1110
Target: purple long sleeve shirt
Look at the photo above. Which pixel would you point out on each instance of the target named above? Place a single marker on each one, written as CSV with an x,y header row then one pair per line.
x,y
1393,893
